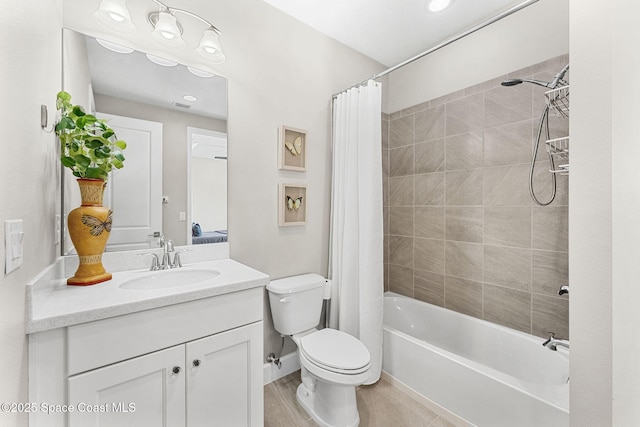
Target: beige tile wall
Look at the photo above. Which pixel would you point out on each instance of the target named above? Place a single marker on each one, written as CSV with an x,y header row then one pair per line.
x,y
461,230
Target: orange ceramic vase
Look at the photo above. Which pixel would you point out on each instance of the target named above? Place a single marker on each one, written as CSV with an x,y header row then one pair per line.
x,y
89,227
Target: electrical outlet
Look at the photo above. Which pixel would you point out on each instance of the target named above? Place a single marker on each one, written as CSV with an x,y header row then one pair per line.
x,y
13,236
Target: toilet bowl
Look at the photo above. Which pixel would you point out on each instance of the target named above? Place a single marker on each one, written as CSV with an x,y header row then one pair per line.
x,y
332,362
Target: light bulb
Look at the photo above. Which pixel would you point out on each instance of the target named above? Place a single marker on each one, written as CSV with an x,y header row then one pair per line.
x,y
167,32
210,47
114,15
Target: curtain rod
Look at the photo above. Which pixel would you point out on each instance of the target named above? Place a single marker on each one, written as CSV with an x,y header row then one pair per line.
x,y
471,30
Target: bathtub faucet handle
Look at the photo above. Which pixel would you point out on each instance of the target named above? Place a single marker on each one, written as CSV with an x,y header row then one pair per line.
x,y
552,343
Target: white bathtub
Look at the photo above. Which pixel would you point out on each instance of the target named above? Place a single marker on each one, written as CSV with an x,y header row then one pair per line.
x,y
486,374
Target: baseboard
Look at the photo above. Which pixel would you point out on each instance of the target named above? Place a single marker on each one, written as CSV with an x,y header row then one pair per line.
x,y
290,364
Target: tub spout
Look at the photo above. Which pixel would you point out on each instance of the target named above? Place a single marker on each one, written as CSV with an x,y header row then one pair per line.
x,y
552,343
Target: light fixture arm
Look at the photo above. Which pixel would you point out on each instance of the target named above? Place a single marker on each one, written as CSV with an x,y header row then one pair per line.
x,y
173,10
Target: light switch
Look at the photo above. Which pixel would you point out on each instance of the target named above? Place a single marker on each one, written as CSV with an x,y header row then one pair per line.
x,y
13,236
183,216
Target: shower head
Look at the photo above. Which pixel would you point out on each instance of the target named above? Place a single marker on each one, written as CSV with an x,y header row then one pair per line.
x,y
511,82
514,82
557,80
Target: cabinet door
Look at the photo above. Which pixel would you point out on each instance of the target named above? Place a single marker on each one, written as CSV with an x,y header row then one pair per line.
x,y
224,379
144,391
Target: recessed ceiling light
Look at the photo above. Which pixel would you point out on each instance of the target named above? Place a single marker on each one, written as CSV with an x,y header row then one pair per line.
x,y
190,98
438,5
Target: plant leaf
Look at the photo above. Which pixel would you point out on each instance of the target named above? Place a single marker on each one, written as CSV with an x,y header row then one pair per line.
x,y
93,143
81,122
108,134
78,110
64,95
120,144
65,123
102,152
82,161
67,161
95,173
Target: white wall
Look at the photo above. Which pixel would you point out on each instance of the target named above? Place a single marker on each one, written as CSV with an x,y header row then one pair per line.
x,y
529,36
605,201
30,75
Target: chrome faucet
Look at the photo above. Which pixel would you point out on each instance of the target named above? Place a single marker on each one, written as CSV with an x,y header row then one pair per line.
x,y
167,245
552,343
155,263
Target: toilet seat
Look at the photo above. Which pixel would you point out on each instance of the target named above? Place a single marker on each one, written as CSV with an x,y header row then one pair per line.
x,y
335,351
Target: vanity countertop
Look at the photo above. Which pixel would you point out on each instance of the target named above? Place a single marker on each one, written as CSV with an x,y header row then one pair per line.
x,y
62,305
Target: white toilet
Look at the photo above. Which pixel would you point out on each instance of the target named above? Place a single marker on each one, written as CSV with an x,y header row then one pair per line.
x,y
332,362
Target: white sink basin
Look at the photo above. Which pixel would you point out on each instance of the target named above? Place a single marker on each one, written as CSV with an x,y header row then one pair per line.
x,y
165,279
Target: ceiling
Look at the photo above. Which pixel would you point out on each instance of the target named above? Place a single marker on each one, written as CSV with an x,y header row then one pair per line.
x,y
391,31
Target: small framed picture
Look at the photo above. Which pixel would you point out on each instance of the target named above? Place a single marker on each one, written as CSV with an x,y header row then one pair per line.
x,y
292,204
292,149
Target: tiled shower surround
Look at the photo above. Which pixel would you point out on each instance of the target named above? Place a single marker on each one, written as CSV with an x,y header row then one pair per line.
x,y
461,230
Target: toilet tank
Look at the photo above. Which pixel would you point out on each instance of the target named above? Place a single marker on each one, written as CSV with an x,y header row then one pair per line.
x,y
296,302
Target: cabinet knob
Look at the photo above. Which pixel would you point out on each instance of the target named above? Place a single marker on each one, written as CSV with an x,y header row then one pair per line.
x,y
176,370
196,363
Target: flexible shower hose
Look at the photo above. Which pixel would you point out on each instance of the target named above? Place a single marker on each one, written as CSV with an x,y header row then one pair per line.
x,y
544,119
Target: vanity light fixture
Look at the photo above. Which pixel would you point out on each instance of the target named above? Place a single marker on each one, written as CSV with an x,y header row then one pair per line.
x,y
210,47
114,15
167,31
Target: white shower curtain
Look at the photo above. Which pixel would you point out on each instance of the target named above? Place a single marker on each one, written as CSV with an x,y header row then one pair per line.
x,y
356,258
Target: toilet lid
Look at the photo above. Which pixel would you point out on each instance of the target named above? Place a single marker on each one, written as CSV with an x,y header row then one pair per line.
x,y
335,350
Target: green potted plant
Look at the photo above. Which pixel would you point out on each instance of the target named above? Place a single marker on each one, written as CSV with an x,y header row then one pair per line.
x,y
89,148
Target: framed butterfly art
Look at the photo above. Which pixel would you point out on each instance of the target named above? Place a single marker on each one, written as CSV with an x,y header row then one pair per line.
x,y
292,149
292,205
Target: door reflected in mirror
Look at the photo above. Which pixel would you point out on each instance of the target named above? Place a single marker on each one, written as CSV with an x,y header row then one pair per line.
x,y
163,110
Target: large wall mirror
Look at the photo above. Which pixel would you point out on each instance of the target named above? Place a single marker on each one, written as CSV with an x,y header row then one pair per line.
x,y
174,120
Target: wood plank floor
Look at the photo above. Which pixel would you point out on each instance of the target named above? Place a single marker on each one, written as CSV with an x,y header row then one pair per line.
x,y
380,405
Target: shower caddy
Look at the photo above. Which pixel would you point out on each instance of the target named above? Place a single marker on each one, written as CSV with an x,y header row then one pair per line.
x,y
558,104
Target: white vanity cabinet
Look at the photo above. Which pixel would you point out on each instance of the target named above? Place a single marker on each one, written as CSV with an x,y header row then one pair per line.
x,y
143,391
196,363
